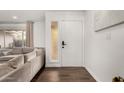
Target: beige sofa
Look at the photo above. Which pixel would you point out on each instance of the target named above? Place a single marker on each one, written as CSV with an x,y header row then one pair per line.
x,y
21,64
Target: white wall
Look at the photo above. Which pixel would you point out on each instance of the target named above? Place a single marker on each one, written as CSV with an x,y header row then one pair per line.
x,y
104,50
13,26
39,34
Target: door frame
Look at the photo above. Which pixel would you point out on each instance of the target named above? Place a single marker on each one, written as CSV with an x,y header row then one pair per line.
x,y
60,39
59,17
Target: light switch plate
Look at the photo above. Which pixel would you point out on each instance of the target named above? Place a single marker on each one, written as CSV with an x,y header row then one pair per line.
x,y
108,36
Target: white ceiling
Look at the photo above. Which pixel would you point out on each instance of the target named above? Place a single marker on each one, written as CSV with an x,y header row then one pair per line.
x,y
6,16
23,15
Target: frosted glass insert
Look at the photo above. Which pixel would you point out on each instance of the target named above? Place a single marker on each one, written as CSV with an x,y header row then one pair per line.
x,y
54,40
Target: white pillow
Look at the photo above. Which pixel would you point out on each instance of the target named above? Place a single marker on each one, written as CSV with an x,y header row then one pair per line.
x,y
16,62
29,56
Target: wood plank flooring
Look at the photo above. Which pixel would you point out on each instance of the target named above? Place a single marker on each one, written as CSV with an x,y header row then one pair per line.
x,y
64,74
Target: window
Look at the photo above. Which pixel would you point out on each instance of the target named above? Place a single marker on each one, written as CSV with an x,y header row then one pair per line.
x,y
9,39
2,43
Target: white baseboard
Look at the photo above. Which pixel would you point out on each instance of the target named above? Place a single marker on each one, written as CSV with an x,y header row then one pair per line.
x,y
53,65
94,76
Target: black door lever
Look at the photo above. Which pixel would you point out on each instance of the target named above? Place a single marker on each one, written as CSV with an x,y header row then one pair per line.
x,y
63,43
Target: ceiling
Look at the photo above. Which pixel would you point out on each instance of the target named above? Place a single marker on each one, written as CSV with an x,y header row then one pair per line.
x,y
22,15
6,16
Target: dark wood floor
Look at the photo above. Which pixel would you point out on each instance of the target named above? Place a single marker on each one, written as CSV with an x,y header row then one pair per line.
x,y
64,74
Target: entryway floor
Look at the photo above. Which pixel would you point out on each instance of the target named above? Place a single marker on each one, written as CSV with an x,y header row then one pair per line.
x,y
64,74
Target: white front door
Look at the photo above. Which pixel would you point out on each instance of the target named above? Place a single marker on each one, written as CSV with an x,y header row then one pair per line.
x,y
71,43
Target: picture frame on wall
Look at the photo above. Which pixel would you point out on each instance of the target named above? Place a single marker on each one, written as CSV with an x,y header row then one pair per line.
x,y
105,19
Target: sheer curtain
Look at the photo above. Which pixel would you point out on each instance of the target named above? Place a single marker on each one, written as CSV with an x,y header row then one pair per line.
x,y
29,34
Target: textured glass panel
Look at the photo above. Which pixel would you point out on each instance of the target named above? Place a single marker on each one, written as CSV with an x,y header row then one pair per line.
x,y
54,40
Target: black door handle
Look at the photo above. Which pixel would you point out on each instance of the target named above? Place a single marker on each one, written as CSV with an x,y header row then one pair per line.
x,y
63,43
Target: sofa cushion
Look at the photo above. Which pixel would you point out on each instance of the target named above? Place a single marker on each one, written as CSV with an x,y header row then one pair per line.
x,y
27,50
15,51
5,58
22,74
5,69
29,56
1,54
40,51
16,62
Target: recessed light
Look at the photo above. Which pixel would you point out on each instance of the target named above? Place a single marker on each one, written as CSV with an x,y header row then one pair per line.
x,y
15,17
